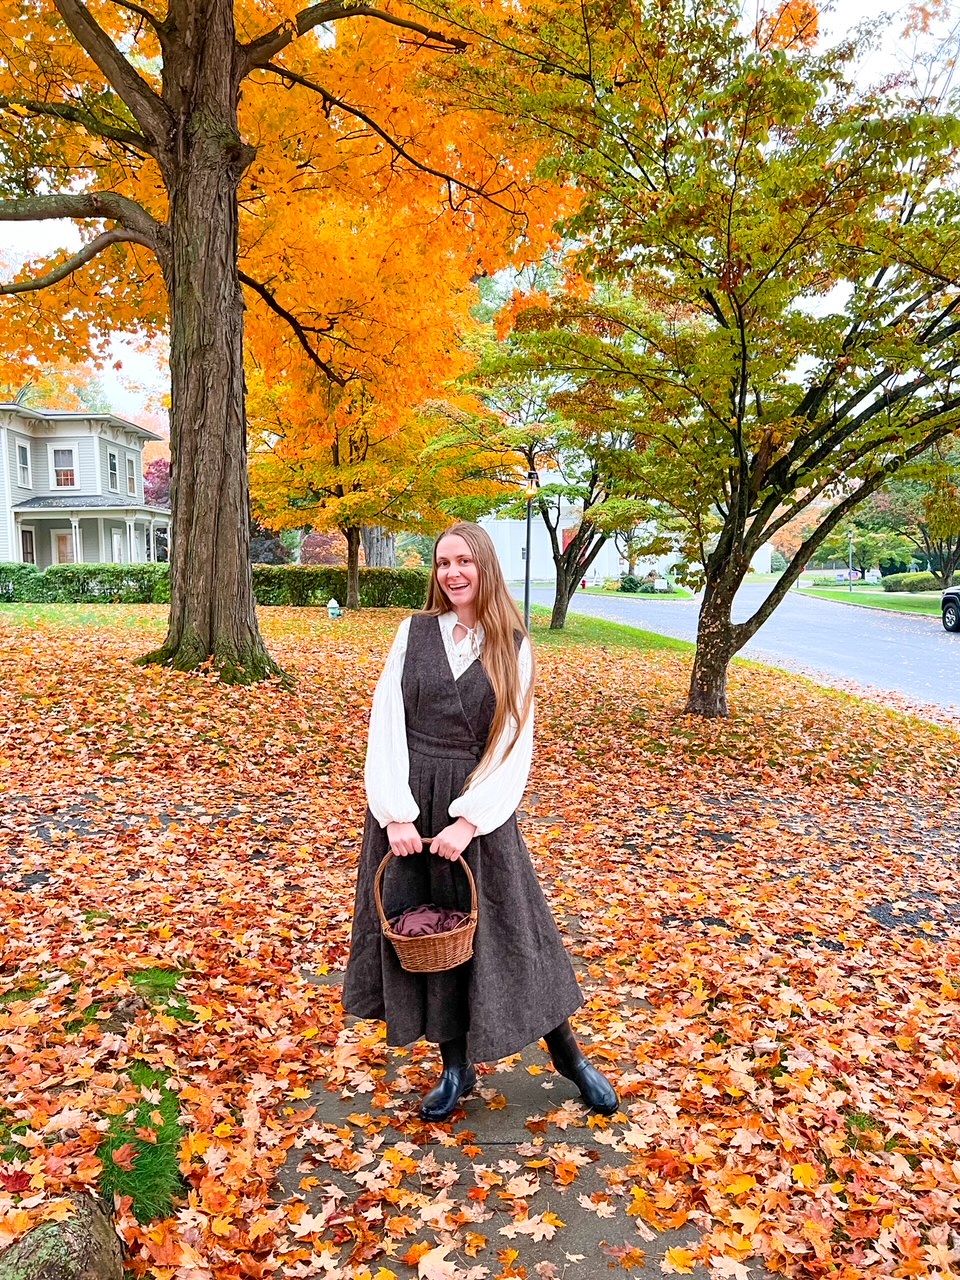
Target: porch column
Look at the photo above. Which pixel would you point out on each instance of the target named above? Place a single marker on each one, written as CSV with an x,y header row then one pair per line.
x,y
77,544
151,545
131,544
100,542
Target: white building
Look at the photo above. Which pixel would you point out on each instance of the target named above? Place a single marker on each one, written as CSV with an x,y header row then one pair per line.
x,y
71,489
510,539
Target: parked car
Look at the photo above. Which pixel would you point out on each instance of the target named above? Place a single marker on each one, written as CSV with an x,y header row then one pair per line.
x,y
950,609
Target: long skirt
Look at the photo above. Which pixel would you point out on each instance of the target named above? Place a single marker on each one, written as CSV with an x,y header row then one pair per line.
x,y
520,983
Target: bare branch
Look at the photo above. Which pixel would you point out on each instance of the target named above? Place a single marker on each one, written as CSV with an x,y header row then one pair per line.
x,y
80,115
88,204
329,100
263,292
259,52
155,22
148,108
86,254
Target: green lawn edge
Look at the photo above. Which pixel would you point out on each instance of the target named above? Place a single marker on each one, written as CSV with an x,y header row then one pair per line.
x,y
582,630
890,601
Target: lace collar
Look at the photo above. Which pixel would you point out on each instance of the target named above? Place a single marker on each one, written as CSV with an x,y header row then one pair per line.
x,y
473,639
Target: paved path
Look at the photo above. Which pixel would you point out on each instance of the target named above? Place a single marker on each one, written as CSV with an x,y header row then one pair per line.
x,y
903,653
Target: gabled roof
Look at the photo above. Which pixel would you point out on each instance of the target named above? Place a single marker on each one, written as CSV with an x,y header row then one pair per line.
x,y
50,415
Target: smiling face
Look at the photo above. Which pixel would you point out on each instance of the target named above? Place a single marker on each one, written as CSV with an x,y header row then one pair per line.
x,y
458,576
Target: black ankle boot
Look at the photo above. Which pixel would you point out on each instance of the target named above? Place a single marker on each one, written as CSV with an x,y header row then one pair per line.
x,y
595,1089
457,1080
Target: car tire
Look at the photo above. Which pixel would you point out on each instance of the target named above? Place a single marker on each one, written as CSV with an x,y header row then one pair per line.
x,y
951,616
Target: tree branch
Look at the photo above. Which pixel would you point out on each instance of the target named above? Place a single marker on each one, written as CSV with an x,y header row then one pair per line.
x,y
80,115
259,52
329,100
86,254
149,110
88,204
263,292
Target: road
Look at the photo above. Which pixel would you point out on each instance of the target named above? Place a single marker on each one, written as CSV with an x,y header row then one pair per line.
x,y
906,654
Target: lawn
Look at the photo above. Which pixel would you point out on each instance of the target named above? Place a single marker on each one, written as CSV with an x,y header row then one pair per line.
x,y
762,911
877,598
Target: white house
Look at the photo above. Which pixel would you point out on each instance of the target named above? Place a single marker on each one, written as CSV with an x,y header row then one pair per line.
x,y
510,539
71,489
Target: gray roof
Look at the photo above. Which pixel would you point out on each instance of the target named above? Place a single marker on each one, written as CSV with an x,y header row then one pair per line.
x,y
61,503
51,415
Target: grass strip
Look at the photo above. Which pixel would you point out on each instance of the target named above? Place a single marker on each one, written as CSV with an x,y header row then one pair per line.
x,y
147,1171
581,631
892,601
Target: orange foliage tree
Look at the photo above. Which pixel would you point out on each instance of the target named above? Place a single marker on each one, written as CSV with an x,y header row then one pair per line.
x,y
218,146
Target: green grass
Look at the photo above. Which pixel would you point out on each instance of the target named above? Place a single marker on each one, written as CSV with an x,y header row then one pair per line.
x,y
154,1181
894,601
159,987
679,593
580,630
131,616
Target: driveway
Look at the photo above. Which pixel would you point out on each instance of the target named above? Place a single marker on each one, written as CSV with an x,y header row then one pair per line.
x,y
901,653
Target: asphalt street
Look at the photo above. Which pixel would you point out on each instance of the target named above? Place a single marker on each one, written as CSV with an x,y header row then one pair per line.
x,y
902,653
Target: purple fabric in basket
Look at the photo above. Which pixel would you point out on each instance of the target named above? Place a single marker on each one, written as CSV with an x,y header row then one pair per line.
x,y
425,920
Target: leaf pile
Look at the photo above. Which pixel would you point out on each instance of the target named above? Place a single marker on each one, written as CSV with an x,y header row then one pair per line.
x,y
763,912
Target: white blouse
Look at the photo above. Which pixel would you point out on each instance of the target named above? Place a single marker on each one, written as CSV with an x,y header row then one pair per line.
x,y
495,791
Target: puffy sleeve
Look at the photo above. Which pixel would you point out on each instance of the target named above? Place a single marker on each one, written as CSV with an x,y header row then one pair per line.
x,y
386,773
497,790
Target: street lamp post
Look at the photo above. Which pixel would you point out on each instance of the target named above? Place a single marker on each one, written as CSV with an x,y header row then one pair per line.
x,y
850,564
533,484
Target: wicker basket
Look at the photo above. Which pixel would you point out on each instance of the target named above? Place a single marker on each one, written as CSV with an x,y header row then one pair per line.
x,y
432,952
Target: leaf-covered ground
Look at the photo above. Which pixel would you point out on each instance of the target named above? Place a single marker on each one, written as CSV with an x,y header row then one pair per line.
x,y
764,914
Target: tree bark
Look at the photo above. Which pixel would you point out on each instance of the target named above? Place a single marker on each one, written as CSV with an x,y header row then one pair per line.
x,y
212,615
379,547
716,645
352,536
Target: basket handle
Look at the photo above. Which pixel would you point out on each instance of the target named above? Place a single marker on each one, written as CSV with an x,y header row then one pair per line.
x,y
378,884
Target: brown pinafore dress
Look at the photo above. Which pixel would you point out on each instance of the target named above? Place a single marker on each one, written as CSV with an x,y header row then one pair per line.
x,y
520,983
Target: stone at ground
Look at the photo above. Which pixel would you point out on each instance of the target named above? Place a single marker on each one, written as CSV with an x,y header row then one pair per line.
x,y
82,1247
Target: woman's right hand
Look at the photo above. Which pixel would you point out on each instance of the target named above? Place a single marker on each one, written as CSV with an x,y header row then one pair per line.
x,y
404,839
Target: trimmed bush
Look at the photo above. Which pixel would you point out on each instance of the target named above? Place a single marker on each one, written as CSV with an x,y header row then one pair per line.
x,y
315,584
19,582
629,583
910,582
102,583
294,585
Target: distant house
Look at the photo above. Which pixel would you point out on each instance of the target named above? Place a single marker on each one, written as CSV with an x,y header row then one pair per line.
x,y
71,490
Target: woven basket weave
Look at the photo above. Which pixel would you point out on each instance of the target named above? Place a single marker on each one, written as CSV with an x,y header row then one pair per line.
x,y
432,952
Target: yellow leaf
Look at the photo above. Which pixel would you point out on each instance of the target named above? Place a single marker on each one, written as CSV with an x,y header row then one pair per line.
x,y
806,1175
678,1261
745,1182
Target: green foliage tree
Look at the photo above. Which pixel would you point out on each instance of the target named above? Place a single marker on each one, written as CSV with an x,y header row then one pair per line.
x,y
871,547
922,505
787,252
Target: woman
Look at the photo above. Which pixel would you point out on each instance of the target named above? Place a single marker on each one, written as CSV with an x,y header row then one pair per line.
x,y
448,754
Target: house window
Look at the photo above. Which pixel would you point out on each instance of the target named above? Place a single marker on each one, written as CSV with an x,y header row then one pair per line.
x,y
28,550
64,470
23,469
113,472
131,477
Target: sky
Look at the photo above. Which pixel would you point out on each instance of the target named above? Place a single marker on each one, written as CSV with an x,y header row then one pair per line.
x,y
138,385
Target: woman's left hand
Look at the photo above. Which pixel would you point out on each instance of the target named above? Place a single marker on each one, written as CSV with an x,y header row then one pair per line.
x,y
451,841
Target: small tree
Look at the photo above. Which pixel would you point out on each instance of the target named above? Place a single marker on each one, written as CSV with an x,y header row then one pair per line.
x,y
727,182
156,483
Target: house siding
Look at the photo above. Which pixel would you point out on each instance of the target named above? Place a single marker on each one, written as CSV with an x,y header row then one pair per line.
x,y
123,452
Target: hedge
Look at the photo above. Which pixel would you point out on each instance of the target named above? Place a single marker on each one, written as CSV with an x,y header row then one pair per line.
x,y
910,582
294,584
308,584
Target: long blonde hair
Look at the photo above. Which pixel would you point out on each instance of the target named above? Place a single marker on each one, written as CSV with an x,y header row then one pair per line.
x,y
498,614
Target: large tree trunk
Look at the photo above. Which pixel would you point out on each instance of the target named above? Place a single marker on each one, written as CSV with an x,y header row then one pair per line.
x,y
572,564
212,615
561,601
379,547
352,536
716,645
